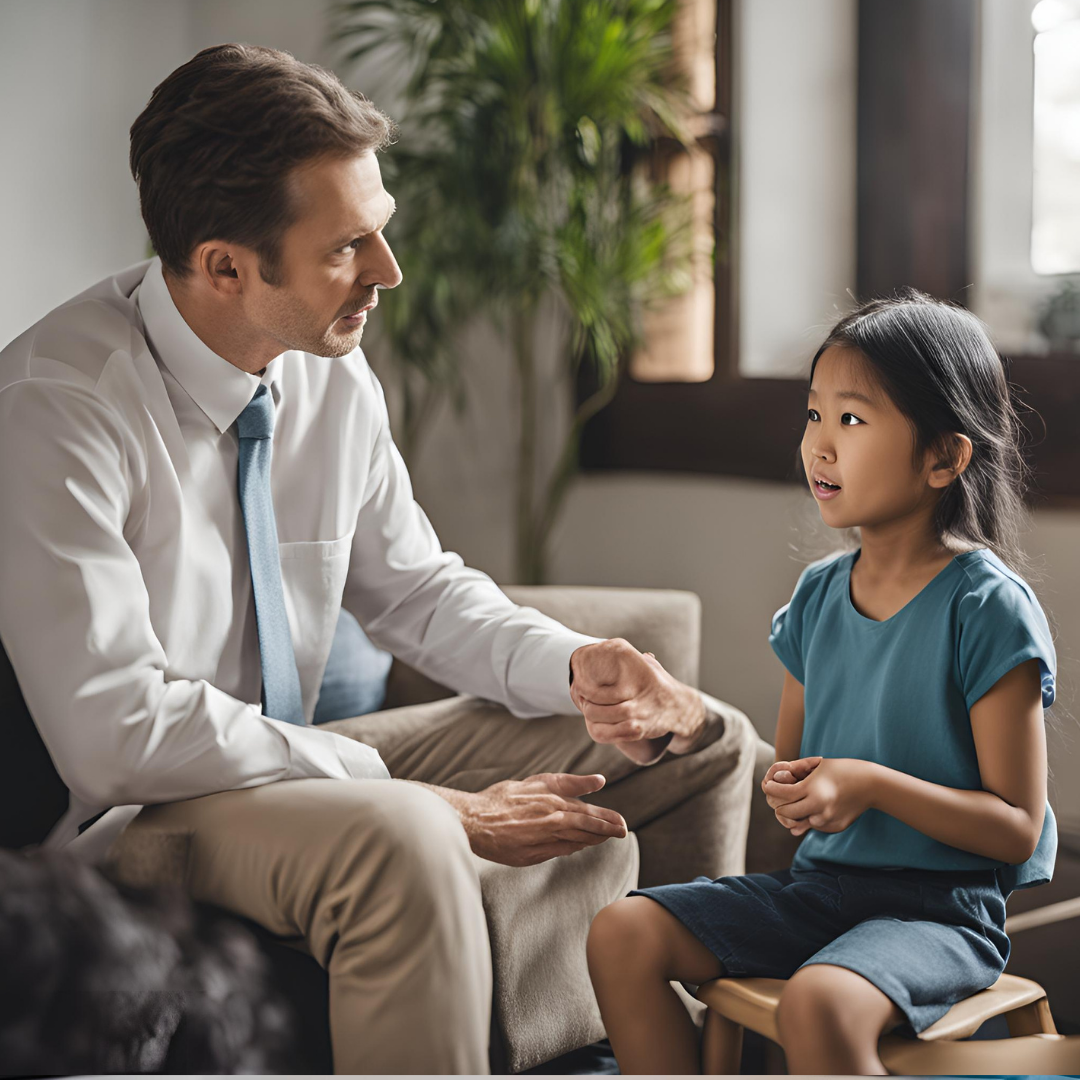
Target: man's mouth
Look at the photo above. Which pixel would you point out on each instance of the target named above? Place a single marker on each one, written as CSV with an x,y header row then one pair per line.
x,y
358,317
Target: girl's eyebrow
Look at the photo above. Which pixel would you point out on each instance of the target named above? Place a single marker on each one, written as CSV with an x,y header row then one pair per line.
x,y
856,396
853,395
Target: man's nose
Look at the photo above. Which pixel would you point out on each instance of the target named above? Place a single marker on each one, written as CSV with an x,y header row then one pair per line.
x,y
383,269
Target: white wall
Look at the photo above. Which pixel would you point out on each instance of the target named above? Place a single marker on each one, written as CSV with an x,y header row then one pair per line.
x,y
795,108
298,27
73,76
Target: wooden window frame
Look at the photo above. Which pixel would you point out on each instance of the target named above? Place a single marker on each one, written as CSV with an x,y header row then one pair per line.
x,y
914,120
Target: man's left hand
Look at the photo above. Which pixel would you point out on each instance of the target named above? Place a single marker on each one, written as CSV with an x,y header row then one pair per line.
x,y
628,699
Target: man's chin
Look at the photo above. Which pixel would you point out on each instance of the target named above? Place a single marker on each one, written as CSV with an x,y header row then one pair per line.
x,y
334,345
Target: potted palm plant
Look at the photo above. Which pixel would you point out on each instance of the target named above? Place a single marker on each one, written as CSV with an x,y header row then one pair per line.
x,y
523,126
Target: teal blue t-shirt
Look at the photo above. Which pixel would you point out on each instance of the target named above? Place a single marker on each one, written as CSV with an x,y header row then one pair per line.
x,y
898,692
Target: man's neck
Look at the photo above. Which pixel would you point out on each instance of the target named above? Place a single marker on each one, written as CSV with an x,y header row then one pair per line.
x,y
230,337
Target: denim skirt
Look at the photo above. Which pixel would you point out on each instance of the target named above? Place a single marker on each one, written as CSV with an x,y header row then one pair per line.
x,y
925,938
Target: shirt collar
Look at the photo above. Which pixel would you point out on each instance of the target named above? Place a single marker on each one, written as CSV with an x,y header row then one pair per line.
x,y
219,388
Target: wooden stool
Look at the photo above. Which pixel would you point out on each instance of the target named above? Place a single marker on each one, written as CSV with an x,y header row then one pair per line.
x,y
1034,1045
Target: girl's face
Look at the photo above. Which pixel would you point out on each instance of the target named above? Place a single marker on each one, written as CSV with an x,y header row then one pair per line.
x,y
857,449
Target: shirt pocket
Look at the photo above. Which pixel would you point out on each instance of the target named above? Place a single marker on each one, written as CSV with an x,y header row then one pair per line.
x,y
313,574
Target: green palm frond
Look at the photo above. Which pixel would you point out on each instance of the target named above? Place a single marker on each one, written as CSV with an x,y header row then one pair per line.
x,y
515,174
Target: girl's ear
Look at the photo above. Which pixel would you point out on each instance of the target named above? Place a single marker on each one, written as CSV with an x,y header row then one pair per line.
x,y
949,459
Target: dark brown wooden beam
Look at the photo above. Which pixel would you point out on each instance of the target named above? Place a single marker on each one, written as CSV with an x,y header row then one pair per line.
x,y
752,427
914,119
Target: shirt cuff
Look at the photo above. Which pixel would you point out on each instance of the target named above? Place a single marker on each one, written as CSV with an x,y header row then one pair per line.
x,y
540,685
315,753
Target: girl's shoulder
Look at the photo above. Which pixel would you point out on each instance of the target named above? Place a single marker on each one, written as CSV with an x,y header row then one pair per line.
x,y
813,587
986,580
816,577
1000,623
793,625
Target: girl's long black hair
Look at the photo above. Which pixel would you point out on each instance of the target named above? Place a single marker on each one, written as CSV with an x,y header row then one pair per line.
x,y
937,365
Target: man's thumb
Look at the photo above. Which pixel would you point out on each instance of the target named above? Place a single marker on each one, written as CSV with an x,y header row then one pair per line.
x,y
573,785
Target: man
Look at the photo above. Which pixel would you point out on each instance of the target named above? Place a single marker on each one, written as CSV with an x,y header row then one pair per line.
x,y
168,602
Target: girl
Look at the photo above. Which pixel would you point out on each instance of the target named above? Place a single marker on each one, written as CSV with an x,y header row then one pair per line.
x,y
911,754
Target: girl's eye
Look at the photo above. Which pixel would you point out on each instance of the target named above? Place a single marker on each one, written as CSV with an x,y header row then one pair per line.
x,y
813,415
850,420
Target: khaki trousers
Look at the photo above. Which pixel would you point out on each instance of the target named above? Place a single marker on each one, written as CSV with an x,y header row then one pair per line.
x,y
375,877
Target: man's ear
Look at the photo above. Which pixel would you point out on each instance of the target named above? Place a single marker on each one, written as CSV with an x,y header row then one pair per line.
x,y
216,265
949,458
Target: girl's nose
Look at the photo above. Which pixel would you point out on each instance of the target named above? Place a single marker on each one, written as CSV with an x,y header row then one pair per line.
x,y
823,451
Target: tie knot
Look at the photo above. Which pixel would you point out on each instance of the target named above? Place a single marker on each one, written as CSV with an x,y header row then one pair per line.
x,y
257,420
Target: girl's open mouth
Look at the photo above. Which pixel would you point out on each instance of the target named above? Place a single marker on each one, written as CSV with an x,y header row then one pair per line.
x,y
825,490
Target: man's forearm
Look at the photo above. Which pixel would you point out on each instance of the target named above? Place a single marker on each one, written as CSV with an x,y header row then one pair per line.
x,y
457,799
976,821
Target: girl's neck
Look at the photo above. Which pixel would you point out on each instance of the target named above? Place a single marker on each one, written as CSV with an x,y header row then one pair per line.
x,y
905,546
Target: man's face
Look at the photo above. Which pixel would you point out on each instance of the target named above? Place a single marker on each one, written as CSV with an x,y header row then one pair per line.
x,y
332,258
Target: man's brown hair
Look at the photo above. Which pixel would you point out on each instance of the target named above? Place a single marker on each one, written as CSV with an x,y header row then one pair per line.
x,y
213,149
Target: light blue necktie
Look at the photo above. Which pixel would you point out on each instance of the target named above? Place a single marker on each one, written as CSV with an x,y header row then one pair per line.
x,y
281,683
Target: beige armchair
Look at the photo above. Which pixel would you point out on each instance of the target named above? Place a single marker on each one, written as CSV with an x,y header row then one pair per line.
x,y
539,916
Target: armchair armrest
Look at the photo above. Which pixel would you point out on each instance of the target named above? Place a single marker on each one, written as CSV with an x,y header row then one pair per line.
x,y
665,622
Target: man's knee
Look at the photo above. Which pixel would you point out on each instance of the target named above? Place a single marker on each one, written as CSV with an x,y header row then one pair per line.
x,y
415,842
397,879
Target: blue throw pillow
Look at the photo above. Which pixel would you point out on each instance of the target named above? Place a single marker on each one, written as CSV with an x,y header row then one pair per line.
x,y
355,679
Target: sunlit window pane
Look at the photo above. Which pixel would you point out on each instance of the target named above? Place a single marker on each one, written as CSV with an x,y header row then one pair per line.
x,y
1055,233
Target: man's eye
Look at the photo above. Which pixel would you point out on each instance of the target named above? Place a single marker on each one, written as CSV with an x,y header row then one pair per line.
x,y
352,245
850,420
813,415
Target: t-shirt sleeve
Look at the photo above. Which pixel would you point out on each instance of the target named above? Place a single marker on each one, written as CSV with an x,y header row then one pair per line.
x,y
789,633
1001,627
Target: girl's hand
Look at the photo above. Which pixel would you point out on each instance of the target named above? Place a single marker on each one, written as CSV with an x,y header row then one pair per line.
x,y
790,772
829,797
787,772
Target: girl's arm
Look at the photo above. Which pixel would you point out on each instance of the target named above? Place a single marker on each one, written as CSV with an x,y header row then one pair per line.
x,y
785,769
789,723
1003,821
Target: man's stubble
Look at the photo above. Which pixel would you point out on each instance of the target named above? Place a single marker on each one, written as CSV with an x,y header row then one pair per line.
x,y
295,325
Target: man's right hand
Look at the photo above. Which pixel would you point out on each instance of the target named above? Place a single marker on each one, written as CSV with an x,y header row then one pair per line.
x,y
522,822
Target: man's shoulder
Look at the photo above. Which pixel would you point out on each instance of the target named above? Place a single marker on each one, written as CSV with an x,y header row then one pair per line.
x,y
84,363
75,342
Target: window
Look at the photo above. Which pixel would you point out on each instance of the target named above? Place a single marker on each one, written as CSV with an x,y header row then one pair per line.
x,y
1055,230
679,335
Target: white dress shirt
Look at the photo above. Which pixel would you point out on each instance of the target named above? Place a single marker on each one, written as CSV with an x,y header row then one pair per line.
x,y
125,594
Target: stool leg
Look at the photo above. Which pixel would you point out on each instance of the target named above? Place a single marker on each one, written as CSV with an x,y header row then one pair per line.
x,y
1033,1019
721,1045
